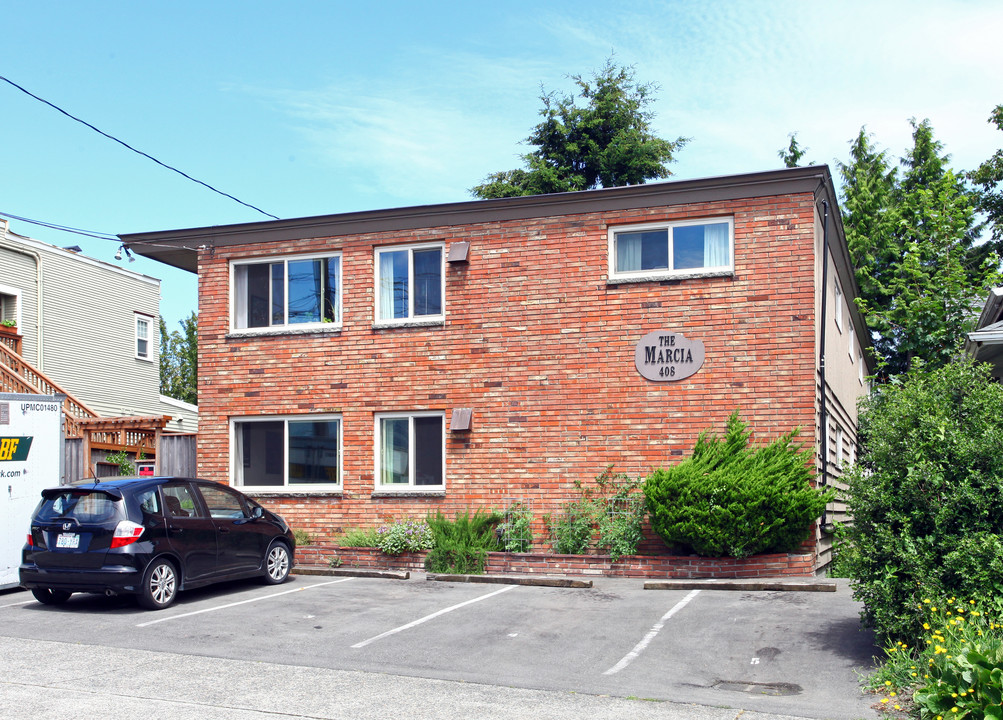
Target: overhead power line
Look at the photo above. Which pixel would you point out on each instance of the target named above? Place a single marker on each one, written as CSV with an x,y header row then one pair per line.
x,y
53,226
130,147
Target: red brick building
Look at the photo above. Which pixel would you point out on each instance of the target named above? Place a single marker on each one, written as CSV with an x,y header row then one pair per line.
x,y
379,364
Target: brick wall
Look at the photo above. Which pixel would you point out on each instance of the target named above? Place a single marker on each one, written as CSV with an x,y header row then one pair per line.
x,y
640,566
538,345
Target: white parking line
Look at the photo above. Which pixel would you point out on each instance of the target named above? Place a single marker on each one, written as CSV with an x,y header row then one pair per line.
x,y
432,616
639,648
23,602
241,602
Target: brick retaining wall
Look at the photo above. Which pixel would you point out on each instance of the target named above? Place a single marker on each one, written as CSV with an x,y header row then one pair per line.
x,y
641,566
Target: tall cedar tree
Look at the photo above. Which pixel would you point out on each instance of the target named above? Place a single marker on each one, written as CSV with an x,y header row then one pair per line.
x,y
912,239
989,179
179,360
606,143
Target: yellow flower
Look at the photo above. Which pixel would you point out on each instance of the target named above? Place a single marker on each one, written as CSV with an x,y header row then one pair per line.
x,y
884,700
898,707
926,626
888,682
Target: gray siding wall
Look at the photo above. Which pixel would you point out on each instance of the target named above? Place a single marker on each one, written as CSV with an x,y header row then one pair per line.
x,y
17,271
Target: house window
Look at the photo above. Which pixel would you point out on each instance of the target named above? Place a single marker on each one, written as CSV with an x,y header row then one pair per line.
x,y
291,291
410,452
409,283
143,323
699,247
287,453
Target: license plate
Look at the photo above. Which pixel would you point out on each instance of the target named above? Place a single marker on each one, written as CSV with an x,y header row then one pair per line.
x,y
68,540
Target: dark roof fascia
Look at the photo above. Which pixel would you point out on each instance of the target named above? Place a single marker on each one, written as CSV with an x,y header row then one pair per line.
x,y
179,248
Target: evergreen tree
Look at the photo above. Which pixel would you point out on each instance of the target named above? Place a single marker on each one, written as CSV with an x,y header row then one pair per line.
x,y
989,179
792,154
606,143
912,240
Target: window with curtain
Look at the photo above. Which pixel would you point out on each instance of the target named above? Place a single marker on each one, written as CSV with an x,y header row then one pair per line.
x,y
410,451
689,247
409,283
300,452
288,291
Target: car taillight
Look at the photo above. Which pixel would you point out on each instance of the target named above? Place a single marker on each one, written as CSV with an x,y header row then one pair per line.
x,y
126,533
31,541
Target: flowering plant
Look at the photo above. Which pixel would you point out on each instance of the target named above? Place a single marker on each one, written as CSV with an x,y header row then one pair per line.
x,y
404,536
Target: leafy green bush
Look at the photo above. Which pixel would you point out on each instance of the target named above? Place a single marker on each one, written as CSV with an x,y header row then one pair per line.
x,y
730,499
461,545
927,495
516,528
608,516
360,537
571,530
404,536
302,537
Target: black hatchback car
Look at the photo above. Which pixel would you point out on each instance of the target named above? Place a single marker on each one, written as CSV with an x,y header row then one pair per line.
x,y
150,537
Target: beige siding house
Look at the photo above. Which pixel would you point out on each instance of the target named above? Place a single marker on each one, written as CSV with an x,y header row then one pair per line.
x,y
90,326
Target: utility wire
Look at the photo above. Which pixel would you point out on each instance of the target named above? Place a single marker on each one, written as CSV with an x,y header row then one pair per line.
x,y
130,147
64,228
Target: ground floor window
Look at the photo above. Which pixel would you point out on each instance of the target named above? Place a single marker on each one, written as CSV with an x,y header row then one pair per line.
x,y
410,451
291,453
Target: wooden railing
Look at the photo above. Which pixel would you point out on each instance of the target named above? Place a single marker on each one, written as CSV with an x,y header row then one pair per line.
x,y
11,338
19,376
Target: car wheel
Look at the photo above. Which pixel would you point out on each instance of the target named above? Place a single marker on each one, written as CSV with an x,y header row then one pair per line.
x,y
277,564
160,585
47,596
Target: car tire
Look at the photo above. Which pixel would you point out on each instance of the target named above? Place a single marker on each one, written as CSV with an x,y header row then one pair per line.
x,y
278,563
48,596
160,585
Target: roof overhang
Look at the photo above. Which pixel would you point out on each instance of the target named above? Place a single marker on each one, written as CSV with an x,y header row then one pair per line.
x,y
180,248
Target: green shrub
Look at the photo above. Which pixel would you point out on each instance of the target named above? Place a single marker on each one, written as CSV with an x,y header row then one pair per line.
x,y
516,528
730,499
926,495
404,536
461,545
360,537
952,669
302,537
608,517
571,530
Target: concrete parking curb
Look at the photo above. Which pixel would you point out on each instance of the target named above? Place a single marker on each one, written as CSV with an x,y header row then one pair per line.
x,y
351,572
513,580
748,585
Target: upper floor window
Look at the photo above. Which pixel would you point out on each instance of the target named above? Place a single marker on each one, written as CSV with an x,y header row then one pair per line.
x,y
291,291
838,311
143,323
691,247
409,283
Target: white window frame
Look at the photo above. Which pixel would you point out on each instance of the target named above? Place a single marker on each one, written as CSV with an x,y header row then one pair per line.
x,y
616,275
236,325
838,314
410,488
236,461
411,318
140,319
16,294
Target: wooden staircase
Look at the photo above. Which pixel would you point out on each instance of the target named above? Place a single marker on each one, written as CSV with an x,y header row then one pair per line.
x,y
17,375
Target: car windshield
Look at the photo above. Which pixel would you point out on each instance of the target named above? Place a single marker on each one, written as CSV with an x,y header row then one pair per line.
x,y
84,507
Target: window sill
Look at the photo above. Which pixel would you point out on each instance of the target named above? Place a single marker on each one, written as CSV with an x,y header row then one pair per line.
x,y
386,325
662,277
287,493
327,329
408,493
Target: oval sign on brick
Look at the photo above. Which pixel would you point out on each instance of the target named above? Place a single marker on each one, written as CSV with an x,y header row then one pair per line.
x,y
665,356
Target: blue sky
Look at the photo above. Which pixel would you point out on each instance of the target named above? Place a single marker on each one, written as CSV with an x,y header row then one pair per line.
x,y
309,108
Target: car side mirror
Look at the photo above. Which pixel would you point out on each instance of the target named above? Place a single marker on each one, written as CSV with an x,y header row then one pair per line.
x,y
257,513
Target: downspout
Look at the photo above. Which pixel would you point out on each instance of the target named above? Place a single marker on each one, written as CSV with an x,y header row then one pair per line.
x,y
10,245
823,409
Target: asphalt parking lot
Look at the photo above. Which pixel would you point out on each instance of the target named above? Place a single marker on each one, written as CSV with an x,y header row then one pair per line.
x,y
783,653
